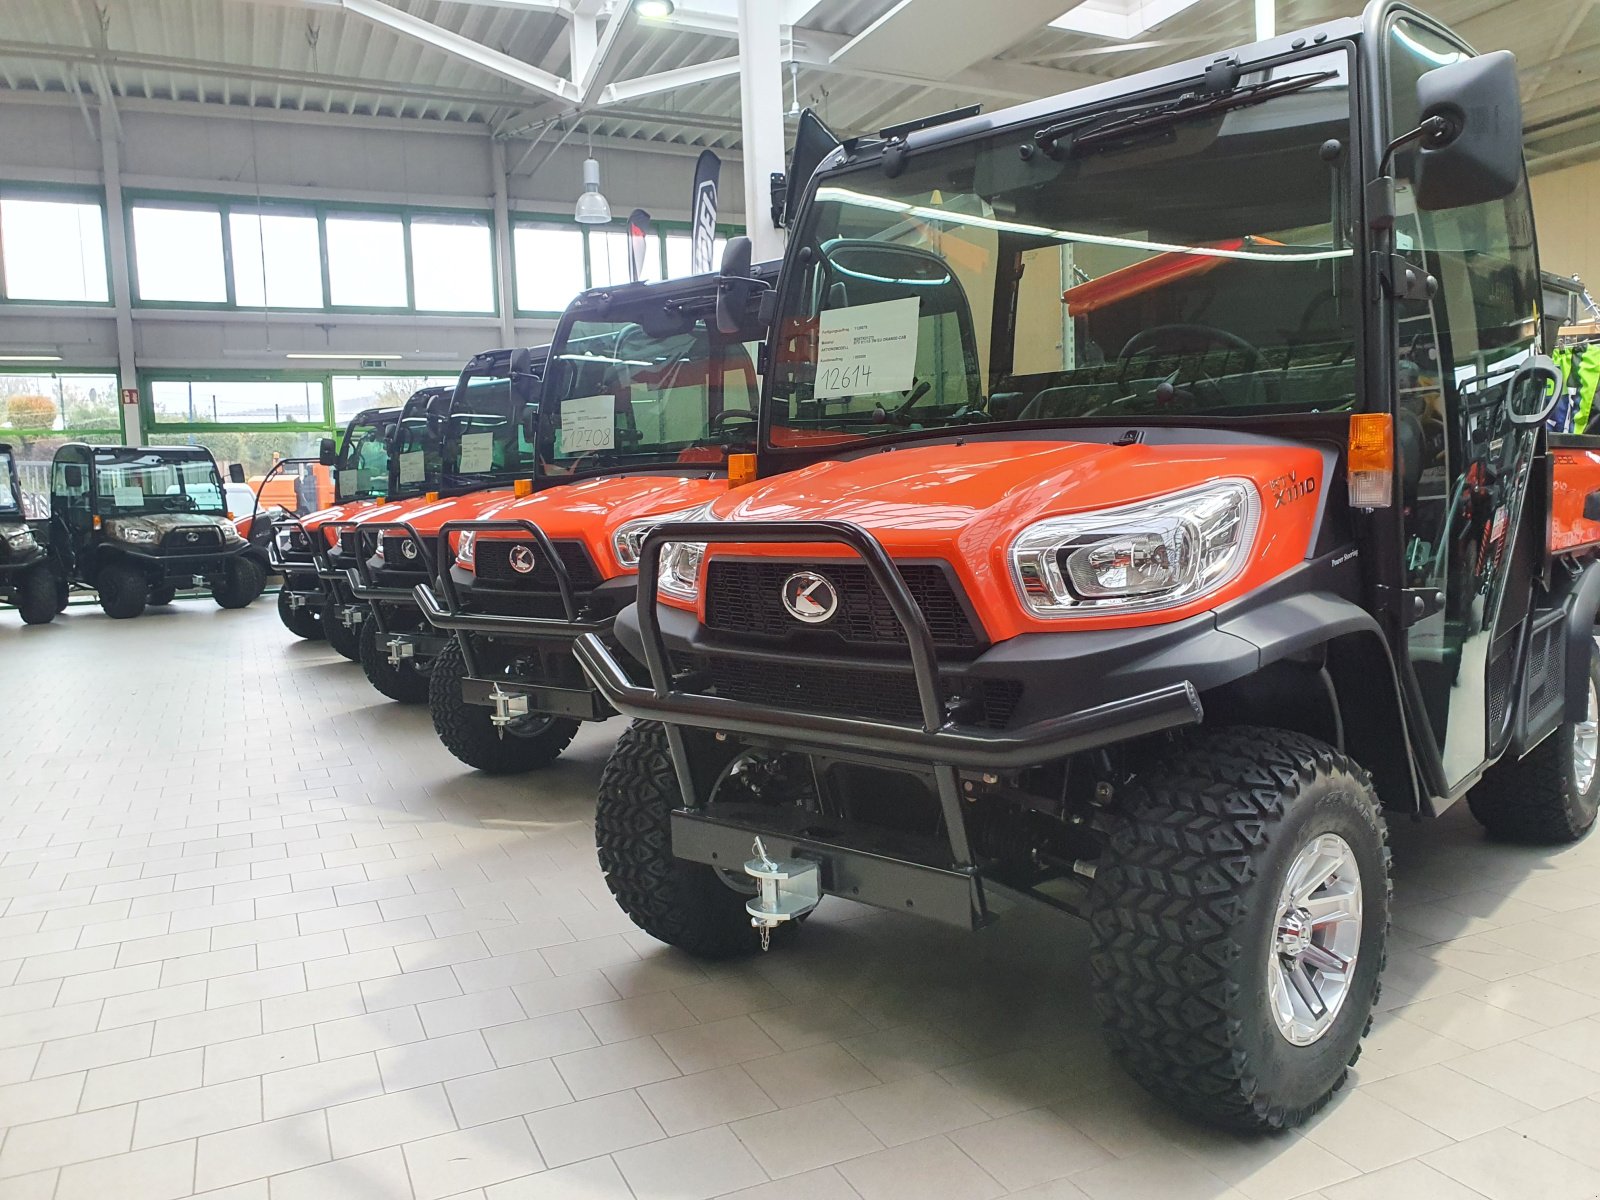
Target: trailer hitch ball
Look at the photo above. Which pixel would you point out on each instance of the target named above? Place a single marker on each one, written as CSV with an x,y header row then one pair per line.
x,y
787,889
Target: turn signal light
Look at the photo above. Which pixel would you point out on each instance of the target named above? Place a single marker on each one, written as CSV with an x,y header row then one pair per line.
x,y
741,469
1370,460
521,488
432,497
97,520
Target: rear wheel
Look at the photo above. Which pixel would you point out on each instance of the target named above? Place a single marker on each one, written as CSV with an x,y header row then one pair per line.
x,y
469,733
1551,795
685,904
1239,918
404,683
161,596
36,596
242,581
302,622
123,590
63,594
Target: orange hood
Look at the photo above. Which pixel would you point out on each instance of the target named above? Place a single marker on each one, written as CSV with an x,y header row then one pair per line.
x,y
592,510
966,503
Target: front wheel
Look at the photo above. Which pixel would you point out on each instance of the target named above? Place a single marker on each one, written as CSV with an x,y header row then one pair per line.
x,y
302,622
123,590
1239,919
242,581
1551,795
404,683
469,733
685,904
36,596
344,638
160,597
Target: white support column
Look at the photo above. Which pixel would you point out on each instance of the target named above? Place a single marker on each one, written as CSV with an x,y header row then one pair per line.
x,y
761,110
1266,19
121,288
502,243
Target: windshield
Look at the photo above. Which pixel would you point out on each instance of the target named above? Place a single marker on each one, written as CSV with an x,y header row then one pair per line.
x,y
1193,265
10,488
486,437
143,482
665,387
416,461
364,461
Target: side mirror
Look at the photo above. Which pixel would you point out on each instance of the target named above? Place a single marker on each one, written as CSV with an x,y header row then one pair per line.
x,y
732,297
521,362
327,452
235,472
73,476
1534,392
1471,150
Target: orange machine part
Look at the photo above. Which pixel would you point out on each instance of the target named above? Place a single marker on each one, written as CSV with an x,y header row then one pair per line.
x,y
1116,286
1577,477
966,504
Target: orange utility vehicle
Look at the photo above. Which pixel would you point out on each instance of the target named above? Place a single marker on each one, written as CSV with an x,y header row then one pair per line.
x,y
476,451
644,401
1186,508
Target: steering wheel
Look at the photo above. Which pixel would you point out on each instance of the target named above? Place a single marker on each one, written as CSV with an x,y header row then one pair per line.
x,y
718,423
1204,333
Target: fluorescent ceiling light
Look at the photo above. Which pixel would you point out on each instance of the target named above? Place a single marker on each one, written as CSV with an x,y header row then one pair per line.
x,y
30,358
1119,19
656,10
356,356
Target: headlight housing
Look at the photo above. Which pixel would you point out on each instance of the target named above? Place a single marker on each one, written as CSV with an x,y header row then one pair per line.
x,y
680,561
628,540
1150,555
20,538
230,533
467,549
134,535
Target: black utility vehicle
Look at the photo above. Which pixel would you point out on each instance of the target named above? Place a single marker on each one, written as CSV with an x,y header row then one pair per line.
x,y
26,578
1237,528
136,523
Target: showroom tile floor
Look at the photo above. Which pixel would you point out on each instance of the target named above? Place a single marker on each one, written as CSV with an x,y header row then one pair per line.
x,y
262,938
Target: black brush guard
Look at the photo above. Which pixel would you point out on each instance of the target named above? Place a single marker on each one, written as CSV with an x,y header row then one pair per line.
x,y
377,597
445,612
953,892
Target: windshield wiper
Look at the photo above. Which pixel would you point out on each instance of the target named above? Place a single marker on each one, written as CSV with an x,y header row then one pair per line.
x,y
1190,104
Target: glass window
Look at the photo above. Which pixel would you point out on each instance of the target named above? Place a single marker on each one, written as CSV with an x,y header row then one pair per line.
x,y
364,461
145,482
178,254
237,401
58,402
680,254
53,249
549,266
277,259
608,257
367,260
353,393
452,266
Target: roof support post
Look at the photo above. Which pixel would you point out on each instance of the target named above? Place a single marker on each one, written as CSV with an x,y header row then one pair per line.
x,y
761,112
507,295
121,289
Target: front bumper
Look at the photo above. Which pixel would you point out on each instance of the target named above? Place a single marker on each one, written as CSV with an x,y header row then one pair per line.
x,y
173,567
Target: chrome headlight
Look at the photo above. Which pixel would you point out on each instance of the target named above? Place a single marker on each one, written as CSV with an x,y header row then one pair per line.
x,y
1154,554
628,540
230,534
680,561
20,538
467,550
135,535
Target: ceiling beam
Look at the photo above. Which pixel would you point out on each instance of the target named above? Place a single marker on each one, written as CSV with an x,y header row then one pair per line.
x,y
588,85
1004,80
455,44
667,81
938,38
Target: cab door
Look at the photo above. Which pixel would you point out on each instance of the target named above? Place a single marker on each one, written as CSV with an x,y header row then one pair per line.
x,y
1465,478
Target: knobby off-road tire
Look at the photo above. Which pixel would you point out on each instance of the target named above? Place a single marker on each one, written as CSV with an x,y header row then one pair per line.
x,y
468,732
684,904
36,596
404,684
242,581
302,622
341,637
1185,920
63,594
123,591
1543,798
160,597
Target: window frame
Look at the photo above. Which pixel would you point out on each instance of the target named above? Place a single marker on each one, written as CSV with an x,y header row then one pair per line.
x,y
9,433
70,194
322,210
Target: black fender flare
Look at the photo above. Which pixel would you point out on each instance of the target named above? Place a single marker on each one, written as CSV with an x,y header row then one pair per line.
x,y
1582,603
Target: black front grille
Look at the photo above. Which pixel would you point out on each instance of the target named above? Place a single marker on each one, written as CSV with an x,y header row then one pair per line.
x,y
395,557
193,539
494,557
746,596
825,690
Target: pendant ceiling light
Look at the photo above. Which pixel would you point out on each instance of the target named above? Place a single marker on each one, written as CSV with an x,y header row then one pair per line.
x,y
592,207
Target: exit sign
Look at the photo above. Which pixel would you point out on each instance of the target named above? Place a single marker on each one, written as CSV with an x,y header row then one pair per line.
x,y
378,363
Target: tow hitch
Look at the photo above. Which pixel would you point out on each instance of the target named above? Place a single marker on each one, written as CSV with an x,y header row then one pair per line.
x,y
789,888
400,649
509,707
350,616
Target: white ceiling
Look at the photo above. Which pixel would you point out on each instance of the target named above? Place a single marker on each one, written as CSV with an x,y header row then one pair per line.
x,y
521,66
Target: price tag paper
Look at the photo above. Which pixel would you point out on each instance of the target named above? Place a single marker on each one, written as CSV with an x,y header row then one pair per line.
x,y
127,497
867,348
588,423
412,466
477,453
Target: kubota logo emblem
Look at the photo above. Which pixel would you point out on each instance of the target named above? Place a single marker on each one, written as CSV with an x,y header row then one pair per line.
x,y
809,597
192,536
522,560
408,548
